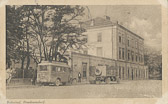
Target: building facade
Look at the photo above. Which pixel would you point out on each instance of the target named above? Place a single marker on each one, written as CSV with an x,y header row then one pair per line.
x,y
113,41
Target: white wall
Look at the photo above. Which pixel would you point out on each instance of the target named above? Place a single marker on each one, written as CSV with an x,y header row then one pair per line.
x,y
106,43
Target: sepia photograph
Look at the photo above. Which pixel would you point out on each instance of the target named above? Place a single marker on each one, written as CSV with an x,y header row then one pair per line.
x,y
83,51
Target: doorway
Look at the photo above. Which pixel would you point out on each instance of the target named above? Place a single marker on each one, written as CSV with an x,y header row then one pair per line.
x,y
132,74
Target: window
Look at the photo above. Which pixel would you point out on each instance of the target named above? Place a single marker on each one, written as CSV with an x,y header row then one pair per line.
x,y
119,53
142,59
119,39
123,73
53,68
136,44
128,72
43,68
123,53
99,37
132,43
128,43
136,58
123,41
99,51
128,55
132,56
58,69
120,72
100,65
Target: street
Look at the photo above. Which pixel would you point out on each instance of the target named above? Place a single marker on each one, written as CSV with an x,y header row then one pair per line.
x,y
126,89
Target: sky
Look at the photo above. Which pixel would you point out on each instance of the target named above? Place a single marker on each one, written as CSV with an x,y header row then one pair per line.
x,y
144,20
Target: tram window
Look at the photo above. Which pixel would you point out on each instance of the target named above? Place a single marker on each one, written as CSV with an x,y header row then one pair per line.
x,y
43,68
62,69
54,68
58,69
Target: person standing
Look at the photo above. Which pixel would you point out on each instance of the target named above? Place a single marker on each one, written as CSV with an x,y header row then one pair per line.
x,y
79,77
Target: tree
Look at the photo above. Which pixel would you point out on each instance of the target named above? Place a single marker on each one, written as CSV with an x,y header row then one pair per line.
x,y
55,29
153,59
43,32
14,33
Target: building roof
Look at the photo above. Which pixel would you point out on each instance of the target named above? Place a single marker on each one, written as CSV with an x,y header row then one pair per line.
x,y
99,22
96,22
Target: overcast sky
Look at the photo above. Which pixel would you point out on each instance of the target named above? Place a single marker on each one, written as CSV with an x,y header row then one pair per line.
x,y
143,20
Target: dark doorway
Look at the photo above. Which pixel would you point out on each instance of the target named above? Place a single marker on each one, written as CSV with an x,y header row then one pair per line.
x,y
120,72
84,70
132,74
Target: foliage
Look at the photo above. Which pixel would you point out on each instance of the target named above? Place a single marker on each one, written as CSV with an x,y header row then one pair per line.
x,y
14,33
153,59
43,32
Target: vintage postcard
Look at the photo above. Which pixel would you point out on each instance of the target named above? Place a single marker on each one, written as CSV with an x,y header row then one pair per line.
x,y
83,52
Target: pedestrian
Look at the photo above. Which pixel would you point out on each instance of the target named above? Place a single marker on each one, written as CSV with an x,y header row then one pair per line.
x,y
9,75
34,77
79,77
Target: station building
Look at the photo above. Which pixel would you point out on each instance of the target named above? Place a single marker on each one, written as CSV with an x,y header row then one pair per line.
x,y
113,45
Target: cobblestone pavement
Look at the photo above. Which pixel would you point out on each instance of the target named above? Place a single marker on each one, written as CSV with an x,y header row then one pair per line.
x,y
126,89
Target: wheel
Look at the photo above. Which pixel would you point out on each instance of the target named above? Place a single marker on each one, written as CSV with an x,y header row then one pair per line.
x,y
107,80
74,81
57,82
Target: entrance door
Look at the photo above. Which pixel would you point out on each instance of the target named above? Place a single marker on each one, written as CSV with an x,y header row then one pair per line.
x,y
120,72
132,74
84,70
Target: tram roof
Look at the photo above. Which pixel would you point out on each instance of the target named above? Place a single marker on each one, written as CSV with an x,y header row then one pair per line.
x,y
54,63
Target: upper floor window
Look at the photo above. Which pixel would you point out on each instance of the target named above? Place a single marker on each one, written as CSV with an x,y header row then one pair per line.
x,y
133,43
132,56
128,43
119,52
136,44
119,39
128,55
123,54
99,37
123,40
136,58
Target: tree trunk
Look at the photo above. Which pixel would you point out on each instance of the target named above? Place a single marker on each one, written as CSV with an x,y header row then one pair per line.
x,y
28,53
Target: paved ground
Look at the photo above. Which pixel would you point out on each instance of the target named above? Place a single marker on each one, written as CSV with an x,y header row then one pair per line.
x,y
126,89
